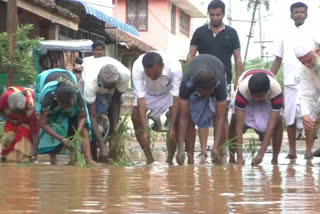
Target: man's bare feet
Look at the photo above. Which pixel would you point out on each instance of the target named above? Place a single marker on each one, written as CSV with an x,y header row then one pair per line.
x,y
308,156
291,156
232,160
240,162
150,160
180,158
203,157
92,162
274,161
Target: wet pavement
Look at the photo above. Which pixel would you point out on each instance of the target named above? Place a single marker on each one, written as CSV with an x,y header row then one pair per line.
x,y
290,187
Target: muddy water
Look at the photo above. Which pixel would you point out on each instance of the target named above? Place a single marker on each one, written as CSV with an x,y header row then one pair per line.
x,y
286,188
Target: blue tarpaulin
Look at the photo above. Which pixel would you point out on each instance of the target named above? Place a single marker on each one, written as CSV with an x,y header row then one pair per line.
x,y
108,19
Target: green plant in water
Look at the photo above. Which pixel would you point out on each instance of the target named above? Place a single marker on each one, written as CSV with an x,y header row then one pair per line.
x,y
251,148
75,145
117,141
226,146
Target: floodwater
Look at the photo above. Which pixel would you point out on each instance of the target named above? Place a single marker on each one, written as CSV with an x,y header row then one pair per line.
x,y
285,188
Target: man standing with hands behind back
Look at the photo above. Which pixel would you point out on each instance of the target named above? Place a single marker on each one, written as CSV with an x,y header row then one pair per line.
x,y
221,41
284,53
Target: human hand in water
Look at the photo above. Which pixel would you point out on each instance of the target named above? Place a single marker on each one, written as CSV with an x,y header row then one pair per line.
x,y
257,160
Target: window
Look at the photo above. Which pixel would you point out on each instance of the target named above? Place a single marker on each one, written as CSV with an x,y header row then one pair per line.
x,y
173,18
184,26
137,14
66,34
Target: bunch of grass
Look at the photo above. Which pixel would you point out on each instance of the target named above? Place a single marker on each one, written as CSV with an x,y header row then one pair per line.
x,y
225,148
118,140
75,145
251,148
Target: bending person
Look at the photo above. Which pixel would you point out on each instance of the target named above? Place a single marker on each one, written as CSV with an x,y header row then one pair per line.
x,y
156,79
203,98
258,103
20,139
62,111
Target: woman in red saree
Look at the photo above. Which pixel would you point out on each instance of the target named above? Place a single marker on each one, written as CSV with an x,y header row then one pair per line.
x,y
21,132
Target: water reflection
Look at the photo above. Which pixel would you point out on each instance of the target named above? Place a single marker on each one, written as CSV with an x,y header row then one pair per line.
x,y
288,188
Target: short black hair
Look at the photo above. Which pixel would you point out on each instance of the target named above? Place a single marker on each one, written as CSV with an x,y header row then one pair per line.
x,y
97,44
78,60
204,79
217,4
66,93
297,5
259,83
151,59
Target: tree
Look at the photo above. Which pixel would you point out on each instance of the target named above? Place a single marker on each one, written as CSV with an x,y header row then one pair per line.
x,y
23,60
254,4
258,63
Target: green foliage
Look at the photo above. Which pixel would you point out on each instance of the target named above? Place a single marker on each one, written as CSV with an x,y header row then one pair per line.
x,y
251,148
251,3
258,63
75,145
224,148
1,130
118,139
23,59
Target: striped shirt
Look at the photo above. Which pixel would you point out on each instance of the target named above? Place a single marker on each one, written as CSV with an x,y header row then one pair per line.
x,y
274,95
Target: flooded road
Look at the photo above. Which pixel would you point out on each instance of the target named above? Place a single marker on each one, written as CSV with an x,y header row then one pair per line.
x,y
286,188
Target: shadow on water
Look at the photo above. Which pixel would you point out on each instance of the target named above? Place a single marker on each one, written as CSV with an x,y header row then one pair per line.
x,y
290,187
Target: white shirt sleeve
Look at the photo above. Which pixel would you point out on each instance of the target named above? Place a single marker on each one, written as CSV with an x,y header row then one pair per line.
x,y
308,93
177,74
138,77
90,89
277,49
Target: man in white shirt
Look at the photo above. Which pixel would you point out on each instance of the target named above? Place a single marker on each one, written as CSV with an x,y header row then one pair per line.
x,y
156,79
284,52
309,56
105,80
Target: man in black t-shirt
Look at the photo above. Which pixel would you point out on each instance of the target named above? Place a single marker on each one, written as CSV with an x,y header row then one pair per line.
x,y
202,98
219,40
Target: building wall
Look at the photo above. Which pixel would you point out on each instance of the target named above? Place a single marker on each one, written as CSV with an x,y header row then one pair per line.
x,y
159,25
159,28
178,44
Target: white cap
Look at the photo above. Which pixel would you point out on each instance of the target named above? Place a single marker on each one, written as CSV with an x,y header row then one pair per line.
x,y
303,46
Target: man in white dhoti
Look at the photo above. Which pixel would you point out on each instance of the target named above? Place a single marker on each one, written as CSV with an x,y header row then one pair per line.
x,y
258,103
156,78
309,55
284,53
